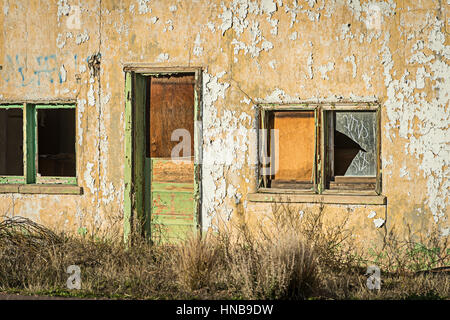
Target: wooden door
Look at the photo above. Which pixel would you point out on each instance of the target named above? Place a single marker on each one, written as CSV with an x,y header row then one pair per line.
x,y
171,173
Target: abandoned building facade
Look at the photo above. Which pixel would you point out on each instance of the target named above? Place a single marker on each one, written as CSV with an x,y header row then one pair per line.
x,y
185,114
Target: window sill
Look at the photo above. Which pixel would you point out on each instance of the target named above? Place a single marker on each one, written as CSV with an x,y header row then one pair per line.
x,y
294,196
41,189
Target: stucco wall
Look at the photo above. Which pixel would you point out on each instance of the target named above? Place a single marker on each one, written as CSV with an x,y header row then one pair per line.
x,y
251,51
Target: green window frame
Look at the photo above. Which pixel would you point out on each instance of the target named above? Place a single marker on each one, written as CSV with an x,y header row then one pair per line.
x,y
30,146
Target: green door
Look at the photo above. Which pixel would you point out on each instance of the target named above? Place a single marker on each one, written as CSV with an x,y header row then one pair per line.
x,y
162,187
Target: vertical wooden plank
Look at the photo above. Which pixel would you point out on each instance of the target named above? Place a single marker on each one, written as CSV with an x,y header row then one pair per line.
x,y
198,142
316,148
379,168
322,151
263,148
128,170
139,133
30,143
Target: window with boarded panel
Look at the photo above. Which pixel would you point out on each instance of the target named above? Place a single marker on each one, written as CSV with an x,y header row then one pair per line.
x,y
171,108
288,148
295,152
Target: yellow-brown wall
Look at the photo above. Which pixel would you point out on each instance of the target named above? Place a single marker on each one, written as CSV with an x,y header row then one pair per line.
x,y
250,51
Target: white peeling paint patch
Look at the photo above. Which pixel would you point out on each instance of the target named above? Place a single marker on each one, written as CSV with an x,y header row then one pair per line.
x,y
227,19
309,65
311,3
278,96
421,74
272,64
5,8
351,59
366,78
63,73
63,8
198,49
345,32
169,26
293,36
82,68
91,94
226,146
404,173
88,179
428,142
60,41
378,222
372,215
162,57
143,6
82,37
211,26
153,20
173,8
268,6
445,232
324,69
80,107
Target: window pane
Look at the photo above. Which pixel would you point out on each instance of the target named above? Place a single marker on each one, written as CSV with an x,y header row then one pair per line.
x,y
56,142
355,143
296,145
11,142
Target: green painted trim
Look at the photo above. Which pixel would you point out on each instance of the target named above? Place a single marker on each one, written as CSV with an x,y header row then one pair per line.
x,y
127,206
173,187
55,106
12,180
11,106
147,197
30,143
56,180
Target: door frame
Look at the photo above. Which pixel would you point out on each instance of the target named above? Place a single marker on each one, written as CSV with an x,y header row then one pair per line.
x,y
134,210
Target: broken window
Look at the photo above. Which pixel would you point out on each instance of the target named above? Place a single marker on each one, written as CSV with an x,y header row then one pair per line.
x,y
37,143
11,141
352,145
320,148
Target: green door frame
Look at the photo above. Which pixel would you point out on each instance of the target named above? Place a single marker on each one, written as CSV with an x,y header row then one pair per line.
x,y
135,210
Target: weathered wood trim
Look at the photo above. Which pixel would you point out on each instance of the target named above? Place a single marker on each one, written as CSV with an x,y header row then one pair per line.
x,y
328,198
41,189
154,69
30,143
38,101
128,170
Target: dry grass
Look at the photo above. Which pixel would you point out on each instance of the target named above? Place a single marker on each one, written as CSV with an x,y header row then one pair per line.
x,y
307,261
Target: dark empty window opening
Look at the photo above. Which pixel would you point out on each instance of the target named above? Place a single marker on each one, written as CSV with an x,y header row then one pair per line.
x,y
56,142
171,104
11,142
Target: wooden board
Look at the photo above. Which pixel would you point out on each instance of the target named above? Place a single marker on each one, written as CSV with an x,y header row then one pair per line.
x,y
296,145
171,108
